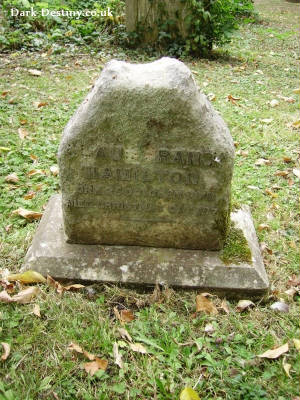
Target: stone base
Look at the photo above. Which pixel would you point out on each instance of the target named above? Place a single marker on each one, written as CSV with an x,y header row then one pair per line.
x,y
50,254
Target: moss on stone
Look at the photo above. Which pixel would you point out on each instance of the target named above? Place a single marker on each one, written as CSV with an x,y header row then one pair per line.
x,y
236,249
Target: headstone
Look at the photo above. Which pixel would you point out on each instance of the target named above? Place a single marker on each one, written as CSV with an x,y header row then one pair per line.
x,y
146,161
145,167
146,16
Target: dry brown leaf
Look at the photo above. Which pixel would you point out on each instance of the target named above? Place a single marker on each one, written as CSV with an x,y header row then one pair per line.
x,y
34,172
22,133
54,170
275,353
267,121
12,178
25,296
243,153
296,172
282,173
297,344
264,247
205,305
88,355
287,159
262,161
138,348
274,103
5,297
233,100
224,306
23,121
271,194
286,368
124,334
296,124
75,286
243,305
34,158
211,97
35,72
27,277
56,285
5,93
75,347
6,348
39,104
28,214
36,310
117,356
29,195
126,315
94,366
263,227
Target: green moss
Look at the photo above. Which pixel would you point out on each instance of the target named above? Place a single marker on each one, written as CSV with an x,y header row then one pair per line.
x,y
236,248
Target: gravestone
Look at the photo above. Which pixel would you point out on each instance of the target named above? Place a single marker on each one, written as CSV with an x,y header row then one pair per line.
x,y
145,168
146,161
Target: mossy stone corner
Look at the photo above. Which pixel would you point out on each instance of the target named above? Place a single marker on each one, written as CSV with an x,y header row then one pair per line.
x,y
146,161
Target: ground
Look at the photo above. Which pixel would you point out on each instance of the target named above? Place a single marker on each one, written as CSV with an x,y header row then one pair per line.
x,y
252,85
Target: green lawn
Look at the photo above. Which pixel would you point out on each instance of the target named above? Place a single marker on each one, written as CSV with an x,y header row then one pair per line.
x,y
258,67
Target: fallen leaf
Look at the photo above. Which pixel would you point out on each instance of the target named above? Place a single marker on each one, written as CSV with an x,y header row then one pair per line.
x,y
263,227
23,121
36,310
271,194
5,93
25,296
243,305
124,334
27,277
233,100
291,292
280,306
275,353
33,158
282,173
297,344
126,316
75,347
94,366
296,124
39,104
12,178
262,161
117,356
286,368
6,348
297,91
224,306
22,133
8,227
287,159
287,99
27,214
264,247
54,170
56,285
138,348
209,328
75,286
296,172
243,153
274,103
5,297
35,72
267,121
188,394
211,97
29,195
34,172
205,305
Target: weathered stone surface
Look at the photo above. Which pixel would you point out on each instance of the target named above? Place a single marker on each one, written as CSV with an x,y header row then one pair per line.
x,y
146,161
50,254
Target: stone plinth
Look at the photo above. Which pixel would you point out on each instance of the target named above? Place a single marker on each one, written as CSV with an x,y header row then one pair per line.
x,y
51,254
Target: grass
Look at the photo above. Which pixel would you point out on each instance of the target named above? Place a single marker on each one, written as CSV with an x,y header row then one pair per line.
x,y
258,66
